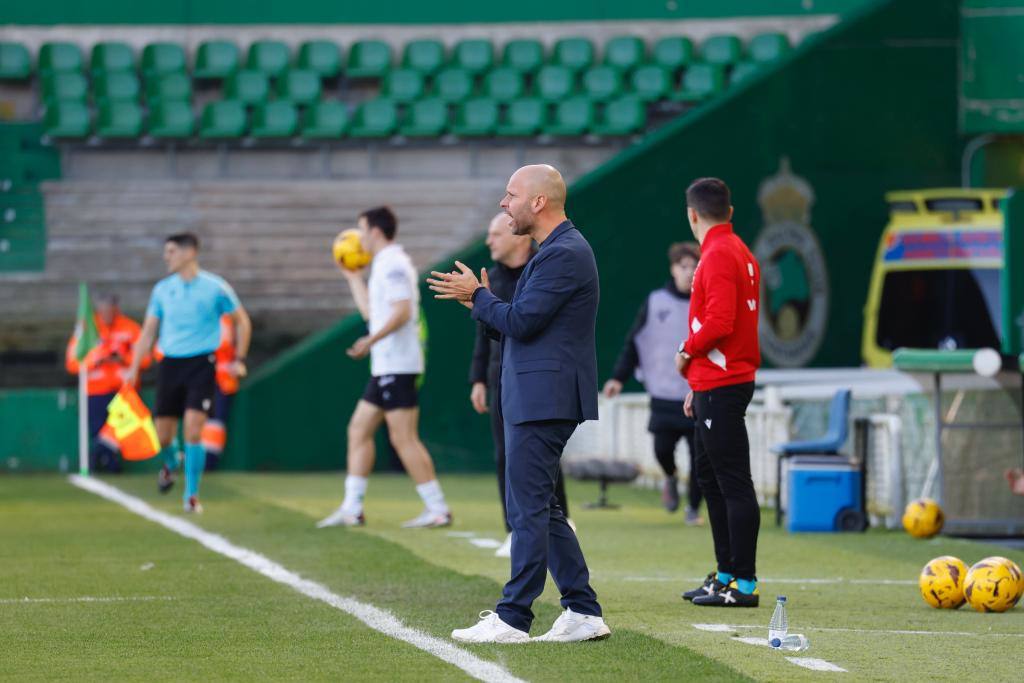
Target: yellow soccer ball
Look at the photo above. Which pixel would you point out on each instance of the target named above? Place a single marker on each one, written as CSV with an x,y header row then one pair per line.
x,y
923,518
348,250
989,587
942,582
1015,574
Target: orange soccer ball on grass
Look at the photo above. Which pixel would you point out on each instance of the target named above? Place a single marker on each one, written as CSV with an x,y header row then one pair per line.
x,y
942,582
923,518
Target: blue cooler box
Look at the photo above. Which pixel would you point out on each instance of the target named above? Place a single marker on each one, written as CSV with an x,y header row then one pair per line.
x,y
821,488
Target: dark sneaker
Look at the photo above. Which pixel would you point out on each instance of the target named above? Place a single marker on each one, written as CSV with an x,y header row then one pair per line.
x,y
165,480
693,517
710,586
730,596
670,494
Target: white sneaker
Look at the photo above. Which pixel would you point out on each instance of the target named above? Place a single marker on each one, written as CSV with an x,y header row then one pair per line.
x,y
342,517
571,627
193,506
490,629
429,520
505,549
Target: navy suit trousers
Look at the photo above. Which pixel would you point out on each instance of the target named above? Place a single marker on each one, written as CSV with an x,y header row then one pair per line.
x,y
541,538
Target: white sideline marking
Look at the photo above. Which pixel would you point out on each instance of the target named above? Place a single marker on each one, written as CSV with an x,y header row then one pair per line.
x,y
85,598
374,617
462,534
837,579
488,543
753,641
714,628
725,628
815,664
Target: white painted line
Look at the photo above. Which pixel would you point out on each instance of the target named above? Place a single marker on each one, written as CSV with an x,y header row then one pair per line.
x,y
769,581
488,543
84,598
815,664
462,534
374,617
714,628
753,641
725,628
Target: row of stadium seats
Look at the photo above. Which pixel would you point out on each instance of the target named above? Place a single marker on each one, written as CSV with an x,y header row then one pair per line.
x,y
218,59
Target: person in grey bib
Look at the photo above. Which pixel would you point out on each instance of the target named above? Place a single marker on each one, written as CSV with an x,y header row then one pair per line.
x,y
649,353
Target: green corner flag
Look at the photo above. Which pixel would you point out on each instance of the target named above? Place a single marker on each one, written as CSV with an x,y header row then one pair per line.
x,y
88,337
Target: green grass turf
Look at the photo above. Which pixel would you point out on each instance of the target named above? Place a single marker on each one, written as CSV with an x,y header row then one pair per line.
x,y
225,621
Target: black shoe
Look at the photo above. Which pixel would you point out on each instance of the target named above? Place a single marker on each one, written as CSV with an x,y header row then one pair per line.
x,y
710,586
165,480
670,494
730,596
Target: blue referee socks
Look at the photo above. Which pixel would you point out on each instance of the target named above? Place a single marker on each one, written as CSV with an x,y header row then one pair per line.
x,y
169,454
195,461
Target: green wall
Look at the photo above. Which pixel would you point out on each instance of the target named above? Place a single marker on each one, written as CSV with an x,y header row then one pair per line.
x,y
868,107
24,163
396,11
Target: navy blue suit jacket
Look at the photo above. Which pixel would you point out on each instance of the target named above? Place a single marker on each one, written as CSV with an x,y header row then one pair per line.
x,y
549,353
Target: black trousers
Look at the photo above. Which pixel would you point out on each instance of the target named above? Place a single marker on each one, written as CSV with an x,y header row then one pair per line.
x,y
498,434
665,441
723,470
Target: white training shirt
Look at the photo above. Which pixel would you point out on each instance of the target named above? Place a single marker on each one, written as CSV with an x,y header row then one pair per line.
x,y
393,278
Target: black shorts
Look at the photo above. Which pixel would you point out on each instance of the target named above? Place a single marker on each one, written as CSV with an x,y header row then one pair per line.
x,y
183,383
390,392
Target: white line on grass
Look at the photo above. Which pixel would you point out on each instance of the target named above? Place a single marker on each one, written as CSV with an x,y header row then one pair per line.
x,y
374,617
486,543
725,628
85,598
769,581
807,662
815,664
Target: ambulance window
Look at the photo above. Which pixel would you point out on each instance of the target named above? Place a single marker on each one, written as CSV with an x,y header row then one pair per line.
x,y
929,309
902,206
954,204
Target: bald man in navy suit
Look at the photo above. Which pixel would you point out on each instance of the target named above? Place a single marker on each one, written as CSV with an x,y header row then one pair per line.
x,y
548,387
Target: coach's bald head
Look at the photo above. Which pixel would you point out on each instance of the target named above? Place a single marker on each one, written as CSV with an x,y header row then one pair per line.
x,y
535,200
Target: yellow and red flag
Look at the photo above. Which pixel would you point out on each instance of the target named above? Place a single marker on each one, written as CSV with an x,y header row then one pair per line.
x,y
130,424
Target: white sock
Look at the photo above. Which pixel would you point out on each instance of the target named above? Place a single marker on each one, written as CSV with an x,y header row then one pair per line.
x,y
355,491
433,496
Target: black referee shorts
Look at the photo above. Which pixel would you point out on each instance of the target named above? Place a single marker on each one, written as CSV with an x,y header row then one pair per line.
x,y
185,383
390,392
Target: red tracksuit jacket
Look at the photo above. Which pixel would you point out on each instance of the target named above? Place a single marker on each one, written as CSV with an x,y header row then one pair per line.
x,y
723,313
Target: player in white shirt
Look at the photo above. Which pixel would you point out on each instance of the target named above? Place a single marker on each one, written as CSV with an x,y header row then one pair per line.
x,y
391,306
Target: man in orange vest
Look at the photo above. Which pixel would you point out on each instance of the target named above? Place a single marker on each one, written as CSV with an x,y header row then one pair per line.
x,y
215,432
105,366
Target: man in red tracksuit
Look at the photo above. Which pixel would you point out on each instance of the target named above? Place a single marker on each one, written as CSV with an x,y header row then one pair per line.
x,y
719,358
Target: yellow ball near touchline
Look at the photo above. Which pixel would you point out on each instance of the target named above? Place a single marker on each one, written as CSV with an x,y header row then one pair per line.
x,y
1015,574
923,518
942,582
990,587
348,250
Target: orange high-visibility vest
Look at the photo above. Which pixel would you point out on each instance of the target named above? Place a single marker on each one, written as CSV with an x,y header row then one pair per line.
x,y
106,364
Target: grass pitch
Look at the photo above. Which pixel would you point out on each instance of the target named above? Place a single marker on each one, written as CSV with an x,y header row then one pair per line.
x,y
169,609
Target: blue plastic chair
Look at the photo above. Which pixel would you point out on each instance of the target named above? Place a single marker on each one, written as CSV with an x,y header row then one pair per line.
x,y
829,444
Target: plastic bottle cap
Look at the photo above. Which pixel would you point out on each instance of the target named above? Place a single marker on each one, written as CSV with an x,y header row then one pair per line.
x,y
775,642
781,598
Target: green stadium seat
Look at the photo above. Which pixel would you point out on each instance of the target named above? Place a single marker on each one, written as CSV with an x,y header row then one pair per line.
x,y
743,71
277,119
426,118
651,82
525,56
768,47
453,85
625,52
171,119
673,53
270,57
119,120
425,56
504,84
15,62
554,83
216,59
721,50
247,86
111,56
700,82
368,59
115,86
163,58
224,119
375,119
325,120
573,116
320,56
299,86
167,87
403,85
623,116
60,57
523,118
475,56
602,83
573,53
64,86
66,120
476,118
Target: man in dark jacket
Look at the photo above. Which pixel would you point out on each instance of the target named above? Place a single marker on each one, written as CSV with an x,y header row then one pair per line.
x,y
510,253
649,351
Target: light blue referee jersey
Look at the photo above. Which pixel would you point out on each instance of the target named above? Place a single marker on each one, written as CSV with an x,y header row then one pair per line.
x,y
189,313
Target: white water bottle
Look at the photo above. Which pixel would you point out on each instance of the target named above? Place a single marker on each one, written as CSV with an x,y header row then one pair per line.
x,y
778,627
